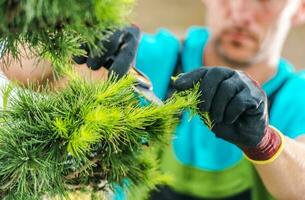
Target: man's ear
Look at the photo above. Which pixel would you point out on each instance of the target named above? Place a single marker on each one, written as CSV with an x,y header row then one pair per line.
x,y
299,17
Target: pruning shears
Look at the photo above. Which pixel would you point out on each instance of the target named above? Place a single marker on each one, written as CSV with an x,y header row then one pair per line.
x,y
144,86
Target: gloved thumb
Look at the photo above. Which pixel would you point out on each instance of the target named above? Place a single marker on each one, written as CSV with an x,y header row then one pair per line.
x,y
188,80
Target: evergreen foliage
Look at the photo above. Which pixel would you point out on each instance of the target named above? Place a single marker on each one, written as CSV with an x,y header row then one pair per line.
x,y
54,29
85,134
88,136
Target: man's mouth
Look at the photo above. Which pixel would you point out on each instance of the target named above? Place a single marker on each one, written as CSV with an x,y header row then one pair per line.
x,y
239,38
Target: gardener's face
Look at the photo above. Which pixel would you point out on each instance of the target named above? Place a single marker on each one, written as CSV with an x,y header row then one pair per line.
x,y
247,31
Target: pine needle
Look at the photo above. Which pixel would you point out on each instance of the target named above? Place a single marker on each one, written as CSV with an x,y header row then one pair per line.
x,y
95,130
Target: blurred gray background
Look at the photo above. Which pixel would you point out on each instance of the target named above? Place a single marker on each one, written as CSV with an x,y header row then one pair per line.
x,y
177,15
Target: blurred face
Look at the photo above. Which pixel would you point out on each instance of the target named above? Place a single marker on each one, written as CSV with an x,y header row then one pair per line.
x,y
247,31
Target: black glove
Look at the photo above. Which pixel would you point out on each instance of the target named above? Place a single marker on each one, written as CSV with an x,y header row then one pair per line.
x,y
120,51
236,104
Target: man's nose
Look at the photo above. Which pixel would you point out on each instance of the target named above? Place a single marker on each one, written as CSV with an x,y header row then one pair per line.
x,y
241,12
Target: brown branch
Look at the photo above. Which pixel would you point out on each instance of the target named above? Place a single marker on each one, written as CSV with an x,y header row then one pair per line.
x,y
76,173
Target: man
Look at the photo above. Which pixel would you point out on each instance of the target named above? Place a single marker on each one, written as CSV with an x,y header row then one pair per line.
x,y
254,150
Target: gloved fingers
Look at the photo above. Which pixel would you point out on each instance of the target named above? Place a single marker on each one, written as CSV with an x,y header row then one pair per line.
x,y
81,59
237,106
127,52
259,107
133,30
226,132
188,80
95,63
256,93
255,89
122,62
224,94
210,83
251,125
110,46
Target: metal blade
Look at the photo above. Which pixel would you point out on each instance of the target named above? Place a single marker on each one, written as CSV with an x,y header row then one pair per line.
x,y
148,94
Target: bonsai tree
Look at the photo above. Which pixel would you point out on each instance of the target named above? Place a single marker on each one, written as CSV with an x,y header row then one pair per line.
x,y
89,136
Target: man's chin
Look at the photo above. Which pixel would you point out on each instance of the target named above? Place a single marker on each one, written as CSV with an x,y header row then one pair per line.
x,y
236,59
236,62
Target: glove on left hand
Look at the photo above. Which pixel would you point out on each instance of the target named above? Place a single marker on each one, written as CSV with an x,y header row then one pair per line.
x,y
238,107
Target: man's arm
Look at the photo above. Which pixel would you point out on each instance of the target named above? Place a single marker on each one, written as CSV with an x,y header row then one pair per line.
x,y
29,70
285,177
238,107
120,50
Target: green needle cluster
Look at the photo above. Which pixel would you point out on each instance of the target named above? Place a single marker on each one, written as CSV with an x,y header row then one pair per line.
x,y
88,133
89,136
54,29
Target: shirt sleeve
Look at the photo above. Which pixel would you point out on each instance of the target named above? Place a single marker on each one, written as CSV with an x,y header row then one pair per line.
x,y
157,57
288,111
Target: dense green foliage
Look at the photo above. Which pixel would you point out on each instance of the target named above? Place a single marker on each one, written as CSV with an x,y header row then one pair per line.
x,y
81,135
89,135
55,29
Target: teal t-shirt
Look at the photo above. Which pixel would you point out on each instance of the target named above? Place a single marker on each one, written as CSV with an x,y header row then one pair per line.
x,y
201,164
